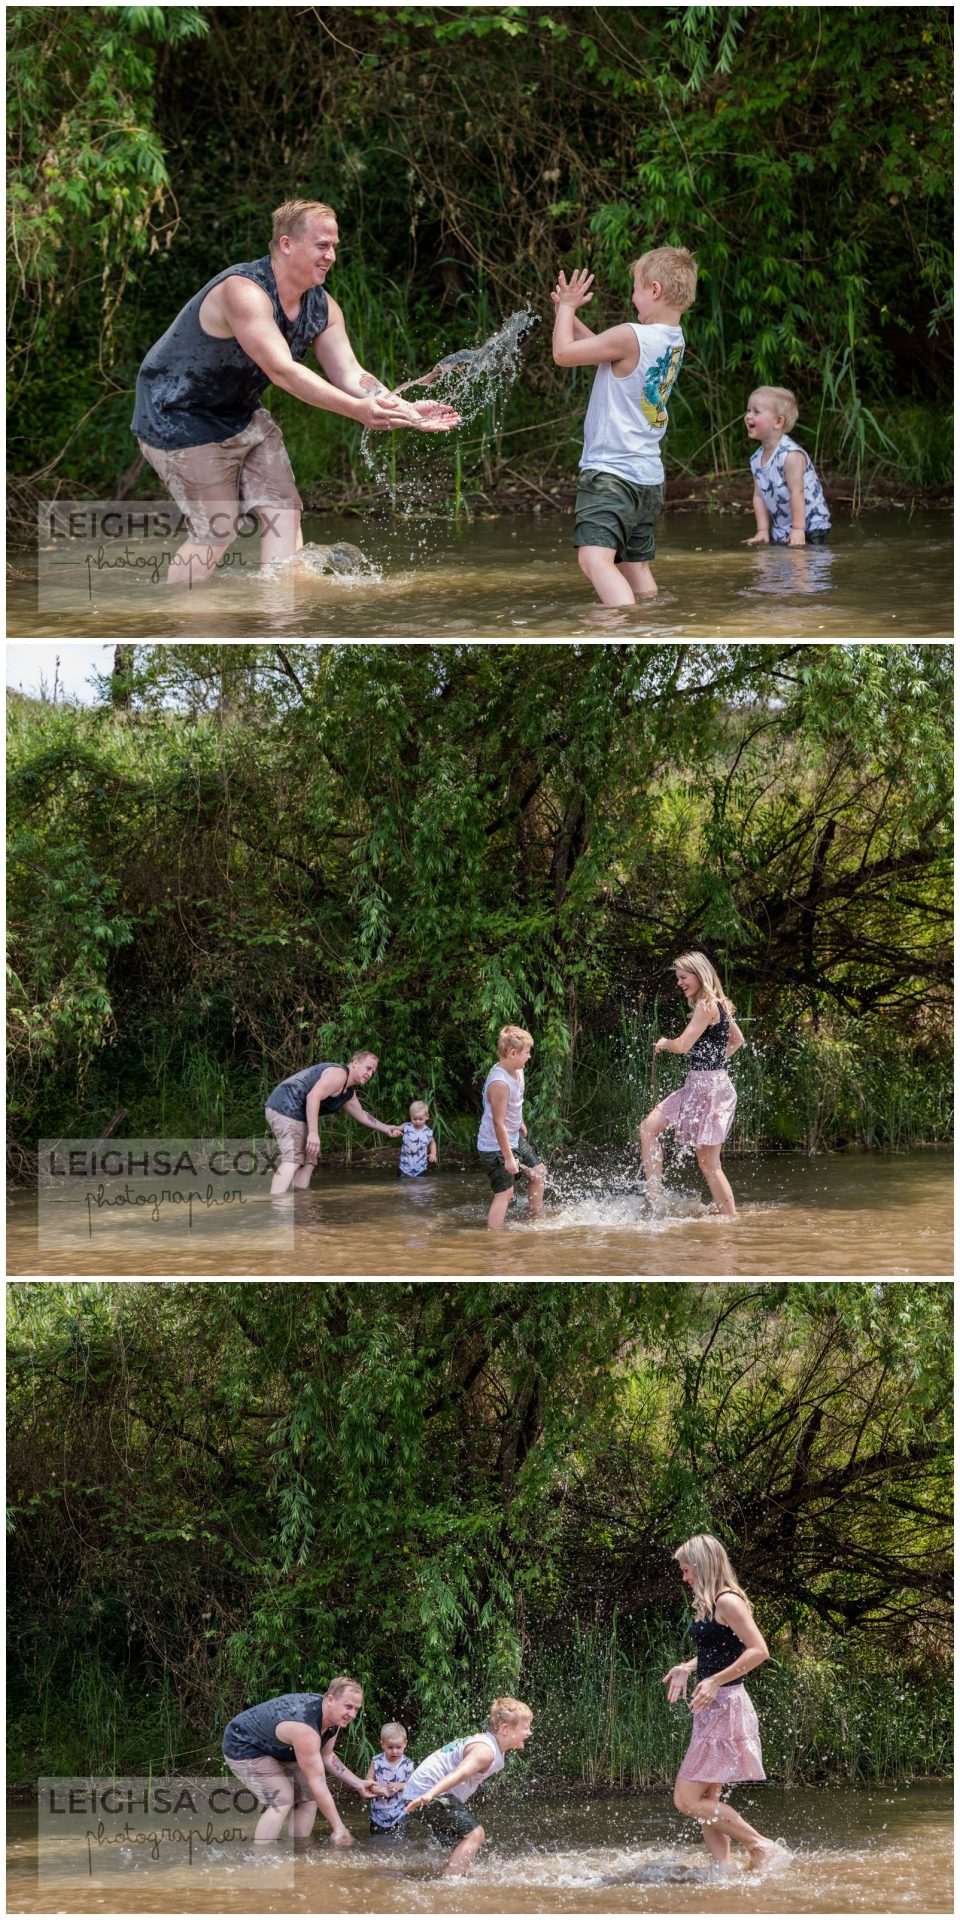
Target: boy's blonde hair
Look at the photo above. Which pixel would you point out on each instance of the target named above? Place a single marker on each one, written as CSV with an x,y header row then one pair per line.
x,y
711,1571
393,1731
512,1040
676,270
710,990
291,218
784,401
419,1106
504,1710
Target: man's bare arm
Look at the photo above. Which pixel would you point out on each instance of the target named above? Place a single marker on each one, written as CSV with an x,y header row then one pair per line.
x,y
249,314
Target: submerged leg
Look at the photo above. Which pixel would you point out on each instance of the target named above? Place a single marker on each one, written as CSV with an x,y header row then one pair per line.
x,y
708,1160
600,566
638,576
696,1798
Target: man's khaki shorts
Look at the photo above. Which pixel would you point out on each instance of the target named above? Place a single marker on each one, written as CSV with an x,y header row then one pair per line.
x,y
277,1783
290,1135
215,484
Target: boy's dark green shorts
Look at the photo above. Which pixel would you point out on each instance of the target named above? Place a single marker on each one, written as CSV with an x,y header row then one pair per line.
x,y
447,1817
613,512
500,1180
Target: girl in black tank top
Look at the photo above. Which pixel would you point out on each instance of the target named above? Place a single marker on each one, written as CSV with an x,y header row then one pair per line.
x,y
725,1739
701,1111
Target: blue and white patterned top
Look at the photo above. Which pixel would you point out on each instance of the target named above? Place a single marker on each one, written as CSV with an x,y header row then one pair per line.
x,y
414,1149
385,1814
775,494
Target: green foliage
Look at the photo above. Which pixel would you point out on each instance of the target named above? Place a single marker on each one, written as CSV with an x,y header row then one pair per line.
x,y
804,156
274,855
460,1489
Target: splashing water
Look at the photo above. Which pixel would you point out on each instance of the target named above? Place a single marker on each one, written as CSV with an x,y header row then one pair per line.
x,y
469,380
349,565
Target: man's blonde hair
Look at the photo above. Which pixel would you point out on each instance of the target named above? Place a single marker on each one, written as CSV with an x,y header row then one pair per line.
x,y
512,1040
291,218
364,1054
676,270
503,1709
784,402
340,1685
419,1106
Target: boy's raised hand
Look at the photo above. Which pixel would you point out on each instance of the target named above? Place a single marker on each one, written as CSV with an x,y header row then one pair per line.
x,y
575,292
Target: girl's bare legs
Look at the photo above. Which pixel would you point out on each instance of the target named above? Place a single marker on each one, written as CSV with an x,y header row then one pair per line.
x,y
697,1798
716,1843
708,1160
650,1130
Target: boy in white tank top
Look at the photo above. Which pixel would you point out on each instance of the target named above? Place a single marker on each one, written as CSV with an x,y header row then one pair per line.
x,y
621,473
442,1784
502,1142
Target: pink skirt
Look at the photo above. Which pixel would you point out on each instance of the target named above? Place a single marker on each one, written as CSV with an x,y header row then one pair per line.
x,y
725,1743
701,1111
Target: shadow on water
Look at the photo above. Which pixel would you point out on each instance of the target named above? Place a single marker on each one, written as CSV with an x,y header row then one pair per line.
x,y
886,1849
847,1214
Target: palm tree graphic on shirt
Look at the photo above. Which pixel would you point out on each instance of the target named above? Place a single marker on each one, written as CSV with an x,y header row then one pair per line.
x,y
656,386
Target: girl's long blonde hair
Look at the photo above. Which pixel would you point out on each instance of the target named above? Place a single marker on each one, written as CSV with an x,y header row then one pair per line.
x,y
712,1571
711,986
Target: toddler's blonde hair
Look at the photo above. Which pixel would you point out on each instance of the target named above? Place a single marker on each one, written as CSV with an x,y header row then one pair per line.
x,y
676,270
419,1106
711,985
784,401
392,1730
512,1040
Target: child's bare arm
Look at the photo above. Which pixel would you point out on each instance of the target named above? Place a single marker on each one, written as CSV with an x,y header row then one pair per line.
x,y
762,535
617,344
497,1100
580,329
794,468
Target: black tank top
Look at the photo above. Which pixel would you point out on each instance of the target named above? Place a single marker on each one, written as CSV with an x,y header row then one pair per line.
x,y
717,1647
192,389
251,1736
708,1053
290,1097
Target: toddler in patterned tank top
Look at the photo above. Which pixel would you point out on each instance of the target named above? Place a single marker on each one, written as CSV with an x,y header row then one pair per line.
x,y
788,500
390,1769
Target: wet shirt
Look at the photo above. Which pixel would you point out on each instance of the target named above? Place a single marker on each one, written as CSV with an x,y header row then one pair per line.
x,y
717,1647
290,1097
251,1736
627,418
487,1141
437,1765
193,389
771,485
708,1053
414,1148
385,1814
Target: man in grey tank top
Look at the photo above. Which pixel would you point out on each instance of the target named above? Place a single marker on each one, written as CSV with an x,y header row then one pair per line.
x,y
198,416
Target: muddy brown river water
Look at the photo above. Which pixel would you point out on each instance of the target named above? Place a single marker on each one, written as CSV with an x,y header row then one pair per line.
x,y
887,575
886,1849
845,1214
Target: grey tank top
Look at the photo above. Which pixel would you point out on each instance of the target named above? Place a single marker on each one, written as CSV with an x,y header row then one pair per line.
x,y
251,1735
192,389
290,1097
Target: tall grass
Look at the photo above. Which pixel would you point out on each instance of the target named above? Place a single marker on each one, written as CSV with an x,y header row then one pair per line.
x,y
834,1711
